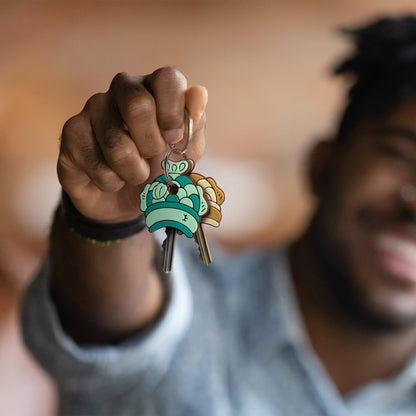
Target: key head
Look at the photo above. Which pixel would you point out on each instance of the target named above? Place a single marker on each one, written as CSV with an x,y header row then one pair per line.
x,y
214,195
180,206
176,168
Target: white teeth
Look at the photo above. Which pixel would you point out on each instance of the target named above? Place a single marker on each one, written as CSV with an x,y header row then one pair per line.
x,y
398,246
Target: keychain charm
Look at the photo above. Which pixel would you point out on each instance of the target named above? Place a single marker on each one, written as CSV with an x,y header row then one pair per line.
x,y
178,204
181,201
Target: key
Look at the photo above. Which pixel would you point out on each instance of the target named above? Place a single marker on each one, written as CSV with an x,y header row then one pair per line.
x,y
168,247
204,251
215,197
173,202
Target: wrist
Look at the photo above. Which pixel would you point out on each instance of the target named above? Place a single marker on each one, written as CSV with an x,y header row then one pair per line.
x,y
98,232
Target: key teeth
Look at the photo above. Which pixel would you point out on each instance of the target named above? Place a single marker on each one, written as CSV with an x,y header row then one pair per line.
x,y
200,256
204,259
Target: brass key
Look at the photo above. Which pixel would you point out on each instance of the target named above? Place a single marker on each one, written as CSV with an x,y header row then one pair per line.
x,y
201,240
181,201
215,197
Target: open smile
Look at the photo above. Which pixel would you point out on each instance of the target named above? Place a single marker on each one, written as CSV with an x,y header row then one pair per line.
x,y
397,255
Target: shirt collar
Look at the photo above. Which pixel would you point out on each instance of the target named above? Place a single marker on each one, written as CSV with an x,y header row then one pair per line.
x,y
291,329
292,332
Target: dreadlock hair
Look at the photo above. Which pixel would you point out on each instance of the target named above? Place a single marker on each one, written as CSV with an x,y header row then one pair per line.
x,y
383,67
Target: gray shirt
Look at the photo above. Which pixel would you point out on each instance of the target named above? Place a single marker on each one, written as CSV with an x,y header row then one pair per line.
x,y
231,342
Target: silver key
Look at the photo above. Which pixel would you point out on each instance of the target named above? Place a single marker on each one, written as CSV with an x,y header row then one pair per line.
x,y
204,251
168,247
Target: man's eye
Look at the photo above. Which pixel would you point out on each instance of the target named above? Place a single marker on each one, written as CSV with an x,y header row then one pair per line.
x,y
398,153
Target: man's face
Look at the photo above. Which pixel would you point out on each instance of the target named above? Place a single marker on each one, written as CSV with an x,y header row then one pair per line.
x,y
367,220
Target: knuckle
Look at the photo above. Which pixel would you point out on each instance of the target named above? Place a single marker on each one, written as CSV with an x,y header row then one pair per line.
x,y
119,79
93,102
76,145
112,137
63,166
129,166
169,75
120,156
71,127
64,161
125,85
91,156
107,180
140,106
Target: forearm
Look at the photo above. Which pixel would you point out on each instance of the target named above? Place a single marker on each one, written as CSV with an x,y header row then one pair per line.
x,y
108,152
104,294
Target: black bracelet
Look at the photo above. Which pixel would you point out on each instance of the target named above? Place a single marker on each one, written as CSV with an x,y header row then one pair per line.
x,y
95,232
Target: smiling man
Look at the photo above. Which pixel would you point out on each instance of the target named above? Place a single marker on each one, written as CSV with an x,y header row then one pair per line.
x,y
325,327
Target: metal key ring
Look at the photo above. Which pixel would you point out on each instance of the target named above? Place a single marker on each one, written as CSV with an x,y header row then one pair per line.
x,y
189,133
166,160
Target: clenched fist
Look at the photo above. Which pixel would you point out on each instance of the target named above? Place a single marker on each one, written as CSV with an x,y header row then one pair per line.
x,y
117,142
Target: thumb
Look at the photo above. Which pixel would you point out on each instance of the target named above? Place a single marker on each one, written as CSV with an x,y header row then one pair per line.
x,y
196,98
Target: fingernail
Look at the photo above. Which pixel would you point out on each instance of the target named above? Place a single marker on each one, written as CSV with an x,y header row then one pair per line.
x,y
172,136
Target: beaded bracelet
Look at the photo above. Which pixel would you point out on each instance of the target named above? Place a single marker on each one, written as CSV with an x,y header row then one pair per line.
x,y
95,232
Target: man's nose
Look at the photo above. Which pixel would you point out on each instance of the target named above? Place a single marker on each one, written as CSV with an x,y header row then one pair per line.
x,y
407,194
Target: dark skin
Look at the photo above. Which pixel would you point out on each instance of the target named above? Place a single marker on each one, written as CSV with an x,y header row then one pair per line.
x,y
115,146
108,152
366,230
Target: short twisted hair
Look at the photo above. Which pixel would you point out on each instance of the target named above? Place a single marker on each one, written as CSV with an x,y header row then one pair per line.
x,y
382,66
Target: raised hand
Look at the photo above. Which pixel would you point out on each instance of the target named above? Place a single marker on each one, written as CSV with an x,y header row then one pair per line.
x,y
116,143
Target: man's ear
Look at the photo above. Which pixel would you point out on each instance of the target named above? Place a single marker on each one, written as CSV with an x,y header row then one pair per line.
x,y
319,166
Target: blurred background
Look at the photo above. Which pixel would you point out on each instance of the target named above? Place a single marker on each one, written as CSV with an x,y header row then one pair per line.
x,y
267,69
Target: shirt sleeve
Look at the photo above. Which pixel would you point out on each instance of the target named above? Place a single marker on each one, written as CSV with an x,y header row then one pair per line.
x,y
88,370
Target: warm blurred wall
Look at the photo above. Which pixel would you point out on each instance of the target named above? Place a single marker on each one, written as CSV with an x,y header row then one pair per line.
x,y
266,68
265,65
